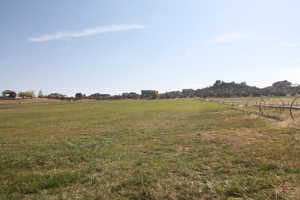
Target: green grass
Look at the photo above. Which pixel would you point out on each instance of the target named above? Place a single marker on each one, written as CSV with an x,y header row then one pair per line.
x,y
162,149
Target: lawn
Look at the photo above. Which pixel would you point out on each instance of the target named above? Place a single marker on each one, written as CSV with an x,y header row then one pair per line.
x,y
138,150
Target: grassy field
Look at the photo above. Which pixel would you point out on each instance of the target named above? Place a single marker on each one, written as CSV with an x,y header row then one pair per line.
x,y
138,150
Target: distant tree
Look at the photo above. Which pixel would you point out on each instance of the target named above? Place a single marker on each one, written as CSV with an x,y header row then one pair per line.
x,y
217,84
282,84
9,94
99,96
187,93
131,95
79,95
40,94
149,94
57,96
243,84
171,95
116,97
125,95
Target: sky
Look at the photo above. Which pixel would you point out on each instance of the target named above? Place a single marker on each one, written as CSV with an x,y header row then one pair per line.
x,y
115,46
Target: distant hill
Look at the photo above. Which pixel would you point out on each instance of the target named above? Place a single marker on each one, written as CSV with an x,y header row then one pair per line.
x,y
232,89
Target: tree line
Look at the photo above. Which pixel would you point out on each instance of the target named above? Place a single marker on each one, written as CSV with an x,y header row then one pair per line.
x,y
218,89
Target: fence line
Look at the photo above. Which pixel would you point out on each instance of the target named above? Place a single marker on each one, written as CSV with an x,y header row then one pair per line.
x,y
262,105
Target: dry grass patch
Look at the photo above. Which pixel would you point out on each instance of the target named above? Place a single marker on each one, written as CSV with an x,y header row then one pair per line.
x,y
237,139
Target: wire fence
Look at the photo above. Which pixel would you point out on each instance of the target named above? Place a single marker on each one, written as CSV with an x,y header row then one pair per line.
x,y
270,107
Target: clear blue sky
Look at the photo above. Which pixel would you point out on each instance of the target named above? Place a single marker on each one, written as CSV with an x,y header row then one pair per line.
x,y
114,46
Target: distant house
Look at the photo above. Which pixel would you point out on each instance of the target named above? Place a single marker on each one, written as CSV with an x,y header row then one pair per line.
x,y
9,94
149,94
